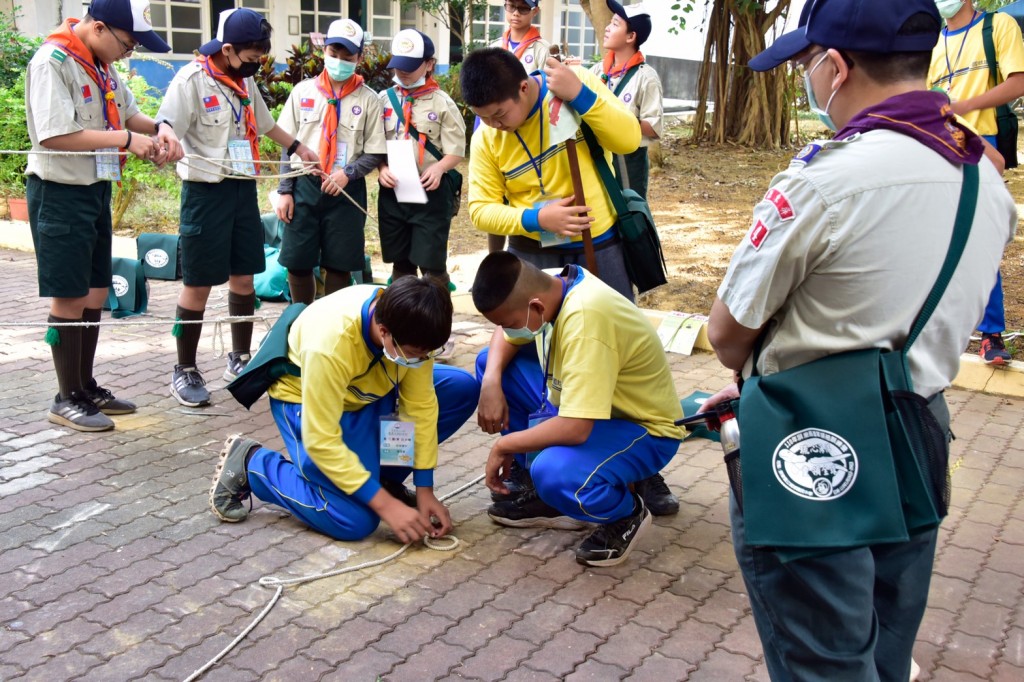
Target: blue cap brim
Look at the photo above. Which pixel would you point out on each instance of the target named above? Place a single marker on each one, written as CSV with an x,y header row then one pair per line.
x,y
211,48
785,47
405,63
151,40
345,43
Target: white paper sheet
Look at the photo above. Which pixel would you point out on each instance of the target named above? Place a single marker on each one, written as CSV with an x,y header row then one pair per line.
x,y
402,162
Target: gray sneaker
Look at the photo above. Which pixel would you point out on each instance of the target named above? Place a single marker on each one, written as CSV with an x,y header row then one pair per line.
x,y
79,413
236,365
189,387
230,485
106,401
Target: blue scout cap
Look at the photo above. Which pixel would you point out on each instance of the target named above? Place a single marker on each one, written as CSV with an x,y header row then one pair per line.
x,y
786,46
237,27
870,25
131,16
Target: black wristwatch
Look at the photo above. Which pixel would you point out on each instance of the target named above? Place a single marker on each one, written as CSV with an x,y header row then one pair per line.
x,y
293,146
350,171
163,121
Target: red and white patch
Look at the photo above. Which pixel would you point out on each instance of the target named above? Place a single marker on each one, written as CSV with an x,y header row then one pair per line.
x,y
306,103
86,94
781,204
758,233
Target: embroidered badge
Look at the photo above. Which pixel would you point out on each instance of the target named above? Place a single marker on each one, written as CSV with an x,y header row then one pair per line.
x,y
628,97
529,59
211,103
781,204
387,113
306,103
758,233
432,116
356,110
807,153
815,464
404,46
58,56
86,94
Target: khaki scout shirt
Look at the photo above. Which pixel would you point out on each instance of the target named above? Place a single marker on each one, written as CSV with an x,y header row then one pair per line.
x,y
535,56
642,96
200,111
61,98
358,123
436,116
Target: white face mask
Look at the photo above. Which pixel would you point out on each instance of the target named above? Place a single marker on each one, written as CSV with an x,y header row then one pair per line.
x,y
421,81
948,8
525,333
400,359
812,102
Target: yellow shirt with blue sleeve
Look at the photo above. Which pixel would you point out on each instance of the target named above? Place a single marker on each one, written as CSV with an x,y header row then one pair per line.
x,y
606,360
343,371
501,169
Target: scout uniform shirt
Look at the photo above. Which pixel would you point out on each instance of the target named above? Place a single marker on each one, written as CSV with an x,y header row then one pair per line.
x,y
343,371
532,57
205,116
434,115
642,96
358,113
61,98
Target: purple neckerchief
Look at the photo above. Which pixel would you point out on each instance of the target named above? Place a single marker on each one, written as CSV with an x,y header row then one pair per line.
x,y
925,116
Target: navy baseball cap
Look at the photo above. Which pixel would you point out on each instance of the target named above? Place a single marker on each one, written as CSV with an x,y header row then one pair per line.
x,y
636,17
409,49
237,27
870,25
346,33
786,46
131,16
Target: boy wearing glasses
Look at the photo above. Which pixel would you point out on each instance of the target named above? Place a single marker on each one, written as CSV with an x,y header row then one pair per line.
x,y
214,105
75,102
367,408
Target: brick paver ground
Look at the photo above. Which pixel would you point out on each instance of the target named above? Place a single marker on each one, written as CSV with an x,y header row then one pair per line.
x,y
113,568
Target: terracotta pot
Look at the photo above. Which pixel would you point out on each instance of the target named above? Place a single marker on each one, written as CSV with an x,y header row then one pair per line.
x,y
18,208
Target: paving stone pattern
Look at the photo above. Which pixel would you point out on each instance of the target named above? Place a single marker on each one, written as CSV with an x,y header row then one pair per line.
x,y
113,568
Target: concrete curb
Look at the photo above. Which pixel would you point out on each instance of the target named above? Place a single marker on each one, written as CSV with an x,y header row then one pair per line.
x,y
974,374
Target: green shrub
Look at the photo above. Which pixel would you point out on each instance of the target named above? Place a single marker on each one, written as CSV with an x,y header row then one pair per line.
x,y
449,82
17,50
14,136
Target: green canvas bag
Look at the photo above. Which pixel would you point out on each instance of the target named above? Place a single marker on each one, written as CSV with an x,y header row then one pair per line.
x,y
160,255
128,294
840,452
270,362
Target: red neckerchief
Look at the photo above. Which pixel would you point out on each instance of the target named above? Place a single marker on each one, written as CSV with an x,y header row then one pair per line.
x,y
101,74
329,126
408,97
532,36
609,70
237,87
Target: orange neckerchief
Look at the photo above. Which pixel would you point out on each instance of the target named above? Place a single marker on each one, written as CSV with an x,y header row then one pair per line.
x,y
101,75
609,70
237,87
532,36
408,97
329,126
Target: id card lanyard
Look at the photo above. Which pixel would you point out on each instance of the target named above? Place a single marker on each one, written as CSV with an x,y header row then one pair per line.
x,y
546,410
108,159
397,445
239,149
945,39
536,162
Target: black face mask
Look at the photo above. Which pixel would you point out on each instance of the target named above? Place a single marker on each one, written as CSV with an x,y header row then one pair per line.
x,y
243,70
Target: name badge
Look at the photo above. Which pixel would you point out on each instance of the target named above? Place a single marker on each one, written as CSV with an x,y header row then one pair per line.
x,y
548,239
546,412
397,442
240,152
108,164
341,158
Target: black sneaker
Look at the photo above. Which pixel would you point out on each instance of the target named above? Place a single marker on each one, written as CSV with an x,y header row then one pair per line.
x,y
398,491
189,387
518,483
79,413
106,401
236,365
657,496
230,485
529,511
611,544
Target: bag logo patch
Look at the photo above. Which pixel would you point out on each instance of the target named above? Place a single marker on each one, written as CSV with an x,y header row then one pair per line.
x,y
758,233
120,285
157,258
815,464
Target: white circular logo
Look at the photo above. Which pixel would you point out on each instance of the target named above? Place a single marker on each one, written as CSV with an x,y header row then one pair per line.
x,y
815,464
120,285
157,258
628,97
404,46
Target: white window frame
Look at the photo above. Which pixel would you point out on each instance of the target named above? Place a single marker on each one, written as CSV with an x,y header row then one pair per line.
x,y
585,46
166,29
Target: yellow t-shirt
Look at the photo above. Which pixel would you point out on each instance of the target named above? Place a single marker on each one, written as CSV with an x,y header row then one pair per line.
x,y
607,362
500,168
960,68
342,372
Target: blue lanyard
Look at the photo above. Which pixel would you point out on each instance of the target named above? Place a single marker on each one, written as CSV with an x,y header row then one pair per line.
x,y
547,356
536,162
945,41
106,85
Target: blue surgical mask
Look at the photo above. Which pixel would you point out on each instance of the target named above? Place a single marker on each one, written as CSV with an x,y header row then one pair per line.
x,y
412,86
525,333
948,8
812,102
339,69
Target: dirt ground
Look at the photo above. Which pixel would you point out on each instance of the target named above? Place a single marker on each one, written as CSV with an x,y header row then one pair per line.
x,y
702,197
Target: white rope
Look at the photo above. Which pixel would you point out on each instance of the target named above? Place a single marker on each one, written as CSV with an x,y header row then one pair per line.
x,y
281,583
147,323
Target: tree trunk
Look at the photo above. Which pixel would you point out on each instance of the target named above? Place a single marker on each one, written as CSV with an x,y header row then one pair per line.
x,y
750,109
600,16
